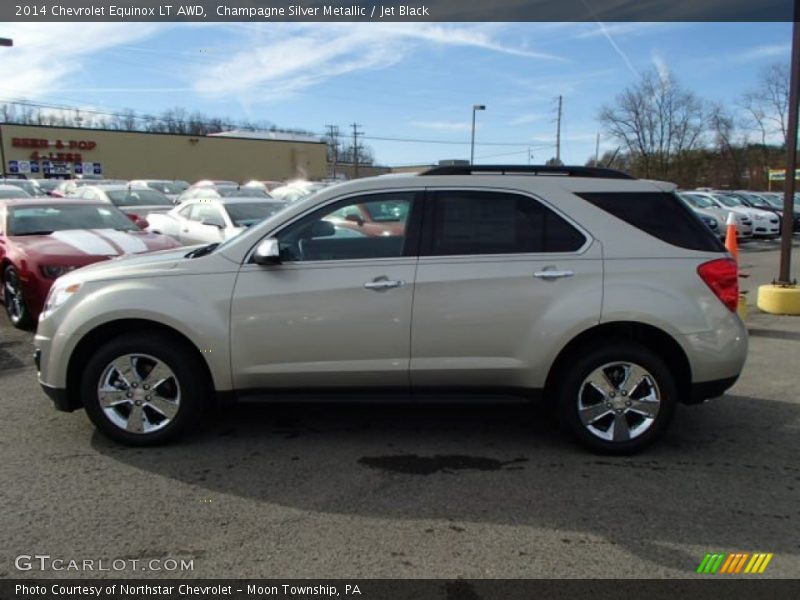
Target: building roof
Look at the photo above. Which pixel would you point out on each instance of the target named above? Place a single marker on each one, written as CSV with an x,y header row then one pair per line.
x,y
261,134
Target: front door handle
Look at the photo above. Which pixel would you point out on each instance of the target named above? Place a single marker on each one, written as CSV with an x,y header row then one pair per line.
x,y
379,285
547,275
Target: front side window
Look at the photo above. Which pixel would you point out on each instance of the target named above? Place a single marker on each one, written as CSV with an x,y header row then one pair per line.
x,y
328,234
483,222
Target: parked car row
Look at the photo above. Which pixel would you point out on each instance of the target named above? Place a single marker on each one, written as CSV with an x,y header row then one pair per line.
x,y
82,221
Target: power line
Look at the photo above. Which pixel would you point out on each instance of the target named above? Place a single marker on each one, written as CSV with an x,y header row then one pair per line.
x,y
155,119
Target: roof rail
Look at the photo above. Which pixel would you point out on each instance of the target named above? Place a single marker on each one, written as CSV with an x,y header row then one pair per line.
x,y
597,172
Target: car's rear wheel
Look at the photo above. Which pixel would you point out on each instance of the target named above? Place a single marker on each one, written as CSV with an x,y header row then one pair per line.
x,y
14,299
144,389
616,398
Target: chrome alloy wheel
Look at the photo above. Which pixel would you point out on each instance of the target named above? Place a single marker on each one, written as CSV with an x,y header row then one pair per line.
x,y
13,297
139,393
619,401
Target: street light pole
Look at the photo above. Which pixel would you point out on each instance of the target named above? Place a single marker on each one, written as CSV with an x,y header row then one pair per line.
x,y
7,42
784,276
475,107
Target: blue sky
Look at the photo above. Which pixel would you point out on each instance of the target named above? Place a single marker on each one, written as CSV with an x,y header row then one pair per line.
x,y
397,80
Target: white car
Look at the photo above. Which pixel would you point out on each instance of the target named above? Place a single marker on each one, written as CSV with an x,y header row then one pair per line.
x,y
709,201
210,220
765,223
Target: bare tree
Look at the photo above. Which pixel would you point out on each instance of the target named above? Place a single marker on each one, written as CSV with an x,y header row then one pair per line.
x,y
656,121
767,106
730,148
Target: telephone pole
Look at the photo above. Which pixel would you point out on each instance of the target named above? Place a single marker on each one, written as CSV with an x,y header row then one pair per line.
x,y
597,150
558,131
333,136
356,133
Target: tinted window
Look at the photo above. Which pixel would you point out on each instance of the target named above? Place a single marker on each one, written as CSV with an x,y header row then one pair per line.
x,y
660,214
328,235
472,222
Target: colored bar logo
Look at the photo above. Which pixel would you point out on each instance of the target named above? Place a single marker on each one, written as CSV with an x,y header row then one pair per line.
x,y
734,563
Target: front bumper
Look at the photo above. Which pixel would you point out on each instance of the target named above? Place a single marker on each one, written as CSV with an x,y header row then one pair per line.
x,y
706,390
60,398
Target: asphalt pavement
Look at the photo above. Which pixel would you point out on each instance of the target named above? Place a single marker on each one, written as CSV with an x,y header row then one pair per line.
x,y
365,491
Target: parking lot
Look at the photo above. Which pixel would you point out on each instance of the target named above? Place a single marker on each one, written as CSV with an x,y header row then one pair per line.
x,y
474,491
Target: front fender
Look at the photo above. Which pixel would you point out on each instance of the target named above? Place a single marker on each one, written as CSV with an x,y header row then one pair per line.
x,y
170,301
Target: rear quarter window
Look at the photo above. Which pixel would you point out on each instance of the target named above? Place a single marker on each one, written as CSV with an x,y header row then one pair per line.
x,y
660,214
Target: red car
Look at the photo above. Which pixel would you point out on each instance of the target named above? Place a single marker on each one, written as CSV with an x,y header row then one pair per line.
x,y
41,240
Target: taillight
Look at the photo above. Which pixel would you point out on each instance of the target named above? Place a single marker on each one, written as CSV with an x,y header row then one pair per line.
x,y
141,222
722,276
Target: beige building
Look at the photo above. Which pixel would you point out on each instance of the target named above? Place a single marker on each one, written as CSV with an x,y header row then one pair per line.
x,y
42,151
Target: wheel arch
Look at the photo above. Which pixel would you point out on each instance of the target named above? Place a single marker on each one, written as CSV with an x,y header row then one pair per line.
x,y
113,329
657,340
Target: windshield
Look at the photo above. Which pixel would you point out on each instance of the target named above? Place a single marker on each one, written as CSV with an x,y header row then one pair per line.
x,y
166,187
32,220
729,200
23,184
752,199
47,185
232,192
13,192
138,197
249,213
698,201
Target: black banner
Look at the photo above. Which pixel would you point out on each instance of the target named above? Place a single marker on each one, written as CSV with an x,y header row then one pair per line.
x,y
385,11
717,588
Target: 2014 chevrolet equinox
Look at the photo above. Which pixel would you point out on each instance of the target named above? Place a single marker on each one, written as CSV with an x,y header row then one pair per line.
x,y
602,291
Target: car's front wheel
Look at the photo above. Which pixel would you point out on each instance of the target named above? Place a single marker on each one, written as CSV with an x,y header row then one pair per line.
x,y
14,299
616,398
144,389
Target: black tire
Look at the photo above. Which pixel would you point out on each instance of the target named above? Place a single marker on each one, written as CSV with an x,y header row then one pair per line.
x,y
187,371
16,307
569,390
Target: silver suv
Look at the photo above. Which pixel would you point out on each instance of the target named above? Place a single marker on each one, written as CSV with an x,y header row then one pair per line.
x,y
601,292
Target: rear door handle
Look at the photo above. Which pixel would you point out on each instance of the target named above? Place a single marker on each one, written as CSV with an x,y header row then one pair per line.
x,y
553,274
383,284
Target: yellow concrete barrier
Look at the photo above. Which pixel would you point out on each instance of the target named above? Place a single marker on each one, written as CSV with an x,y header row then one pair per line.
x,y
779,299
741,309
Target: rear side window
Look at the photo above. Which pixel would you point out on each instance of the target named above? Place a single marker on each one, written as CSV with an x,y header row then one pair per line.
x,y
661,214
477,222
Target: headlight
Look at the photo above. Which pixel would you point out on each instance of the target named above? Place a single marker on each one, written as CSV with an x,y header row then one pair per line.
x,y
55,271
57,296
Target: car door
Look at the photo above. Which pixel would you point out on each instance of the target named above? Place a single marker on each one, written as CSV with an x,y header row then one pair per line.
x,y
194,231
336,312
502,279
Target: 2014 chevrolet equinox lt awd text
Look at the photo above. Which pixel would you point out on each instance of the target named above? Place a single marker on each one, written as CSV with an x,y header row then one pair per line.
x,y
602,292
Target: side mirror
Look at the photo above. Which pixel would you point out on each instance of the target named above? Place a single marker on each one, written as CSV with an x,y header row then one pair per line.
x,y
267,252
213,223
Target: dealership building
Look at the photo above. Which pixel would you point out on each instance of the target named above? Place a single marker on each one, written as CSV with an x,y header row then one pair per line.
x,y
68,152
